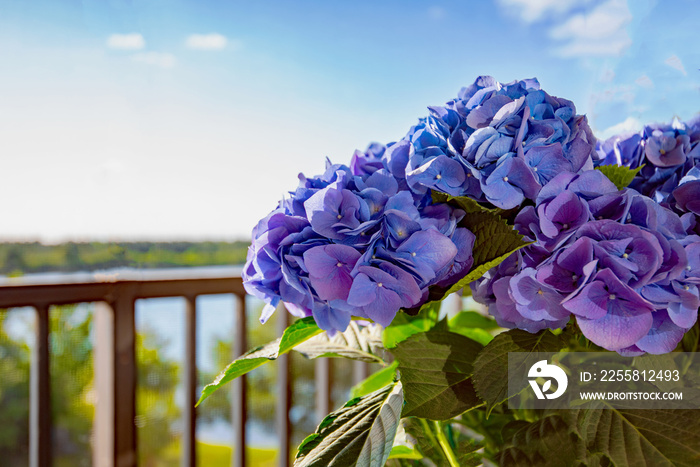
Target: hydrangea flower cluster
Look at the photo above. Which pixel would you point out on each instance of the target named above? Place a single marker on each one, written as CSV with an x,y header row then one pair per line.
x,y
354,243
616,260
495,142
367,239
669,156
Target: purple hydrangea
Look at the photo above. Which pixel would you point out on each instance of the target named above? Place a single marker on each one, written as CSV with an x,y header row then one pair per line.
x,y
617,261
355,242
495,142
368,162
666,152
367,239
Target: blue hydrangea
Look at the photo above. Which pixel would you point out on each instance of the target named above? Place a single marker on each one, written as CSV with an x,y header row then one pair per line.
x,y
355,242
666,152
367,239
495,142
617,261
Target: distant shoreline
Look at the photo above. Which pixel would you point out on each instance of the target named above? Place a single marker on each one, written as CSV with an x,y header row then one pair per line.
x,y
20,258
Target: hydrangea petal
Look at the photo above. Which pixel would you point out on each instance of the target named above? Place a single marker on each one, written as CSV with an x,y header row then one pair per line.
x,y
663,336
329,269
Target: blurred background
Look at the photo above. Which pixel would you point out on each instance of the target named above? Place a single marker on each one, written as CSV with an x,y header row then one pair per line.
x,y
152,134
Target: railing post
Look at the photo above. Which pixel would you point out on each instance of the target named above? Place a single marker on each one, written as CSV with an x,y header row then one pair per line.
x,y
115,381
189,447
360,371
323,373
125,452
239,403
284,396
40,393
451,305
103,363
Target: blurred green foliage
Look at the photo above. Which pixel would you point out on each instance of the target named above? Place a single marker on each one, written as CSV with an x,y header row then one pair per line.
x,y
73,394
14,398
72,382
262,383
263,398
23,258
156,409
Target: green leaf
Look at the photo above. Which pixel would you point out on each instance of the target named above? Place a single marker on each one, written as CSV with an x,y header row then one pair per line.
x,y
491,366
375,381
691,340
425,441
360,434
423,434
404,446
479,335
436,369
655,363
355,343
405,452
298,332
541,443
620,175
465,203
495,238
474,326
641,437
404,325
605,437
495,241
473,319
490,426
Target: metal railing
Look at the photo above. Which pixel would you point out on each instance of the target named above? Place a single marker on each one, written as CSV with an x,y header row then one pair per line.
x,y
115,294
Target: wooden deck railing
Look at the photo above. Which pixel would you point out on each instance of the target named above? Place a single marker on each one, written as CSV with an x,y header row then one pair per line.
x,y
115,358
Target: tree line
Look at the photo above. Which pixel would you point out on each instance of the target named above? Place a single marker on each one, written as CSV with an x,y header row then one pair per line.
x,y
17,258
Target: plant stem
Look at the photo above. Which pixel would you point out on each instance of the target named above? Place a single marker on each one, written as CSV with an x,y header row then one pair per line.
x,y
428,431
445,445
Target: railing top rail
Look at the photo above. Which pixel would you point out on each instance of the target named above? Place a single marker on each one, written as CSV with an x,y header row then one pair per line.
x,y
107,285
123,275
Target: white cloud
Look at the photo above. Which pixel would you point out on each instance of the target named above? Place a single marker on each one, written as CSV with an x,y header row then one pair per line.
x,y
674,62
532,10
630,125
132,41
600,32
212,41
645,82
162,60
603,21
582,48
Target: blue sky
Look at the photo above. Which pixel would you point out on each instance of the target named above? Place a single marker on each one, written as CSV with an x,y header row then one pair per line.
x,y
191,119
